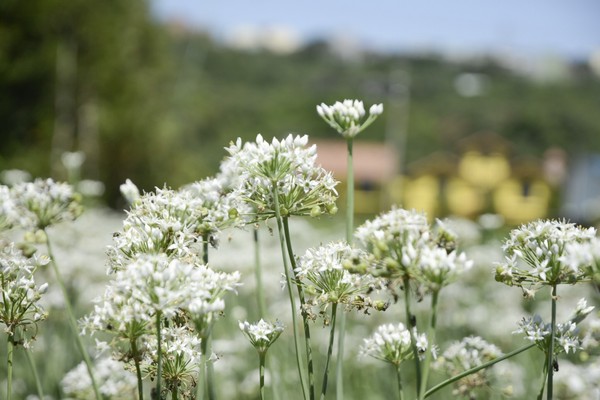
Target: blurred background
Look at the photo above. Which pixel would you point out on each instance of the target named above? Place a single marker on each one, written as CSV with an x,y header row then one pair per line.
x,y
490,107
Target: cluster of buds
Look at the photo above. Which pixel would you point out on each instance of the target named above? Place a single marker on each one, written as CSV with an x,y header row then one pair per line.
x,y
348,117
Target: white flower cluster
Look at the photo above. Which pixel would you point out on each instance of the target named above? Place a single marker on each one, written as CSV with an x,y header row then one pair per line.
x,y
217,206
262,334
20,296
391,343
44,202
286,167
181,358
37,205
566,335
9,216
347,117
405,246
157,283
543,246
113,382
324,272
469,353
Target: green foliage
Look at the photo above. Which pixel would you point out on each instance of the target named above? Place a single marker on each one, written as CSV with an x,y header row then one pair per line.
x,y
155,103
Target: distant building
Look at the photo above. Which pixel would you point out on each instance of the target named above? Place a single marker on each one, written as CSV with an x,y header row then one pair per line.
x,y
480,177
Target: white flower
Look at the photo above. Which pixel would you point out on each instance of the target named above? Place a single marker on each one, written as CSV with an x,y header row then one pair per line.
x,y
347,117
44,202
547,252
261,334
392,343
113,380
286,166
130,191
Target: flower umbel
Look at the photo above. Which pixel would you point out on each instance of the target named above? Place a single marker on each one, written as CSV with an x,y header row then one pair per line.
x,y
391,343
262,334
348,117
286,167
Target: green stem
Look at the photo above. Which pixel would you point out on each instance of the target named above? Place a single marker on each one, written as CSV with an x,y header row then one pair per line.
x,y
9,367
309,358
540,395
477,369
289,288
138,371
329,351
411,323
71,317
159,355
339,385
208,368
350,194
258,272
174,391
551,346
210,371
430,339
36,377
262,359
400,391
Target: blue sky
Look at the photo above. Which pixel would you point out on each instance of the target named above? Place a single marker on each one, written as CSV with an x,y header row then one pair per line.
x,y
565,27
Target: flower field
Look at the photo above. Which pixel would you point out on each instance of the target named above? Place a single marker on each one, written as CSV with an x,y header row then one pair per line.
x,y
250,285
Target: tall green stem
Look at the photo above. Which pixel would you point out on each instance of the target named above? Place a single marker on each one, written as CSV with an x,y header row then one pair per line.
x,y
289,287
430,339
329,350
159,354
477,369
339,386
208,367
309,359
71,317
36,377
262,355
9,367
258,273
411,323
551,346
399,378
138,372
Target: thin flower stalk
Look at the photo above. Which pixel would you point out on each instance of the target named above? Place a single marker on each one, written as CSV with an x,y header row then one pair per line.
x,y
158,354
135,354
71,317
288,280
329,350
430,339
412,325
9,367
476,369
209,372
262,363
36,376
306,325
399,381
262,308
550,365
